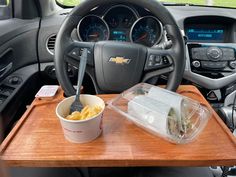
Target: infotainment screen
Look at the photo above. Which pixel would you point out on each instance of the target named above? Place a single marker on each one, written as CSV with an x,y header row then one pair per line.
x,y
205,34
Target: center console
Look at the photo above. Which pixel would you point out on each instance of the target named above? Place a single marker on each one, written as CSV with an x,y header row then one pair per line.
x,y
212,66
210,46
212,60
211,56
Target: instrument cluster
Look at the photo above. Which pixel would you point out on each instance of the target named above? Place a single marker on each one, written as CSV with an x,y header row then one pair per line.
x,y
121,23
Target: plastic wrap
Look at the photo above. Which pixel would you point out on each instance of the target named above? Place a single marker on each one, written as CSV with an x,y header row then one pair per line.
x,y
167,114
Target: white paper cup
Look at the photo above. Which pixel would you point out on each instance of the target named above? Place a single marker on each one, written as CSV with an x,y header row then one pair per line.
x,y
80,131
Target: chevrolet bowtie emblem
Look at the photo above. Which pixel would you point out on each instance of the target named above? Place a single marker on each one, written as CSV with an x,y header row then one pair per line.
x,y
119,60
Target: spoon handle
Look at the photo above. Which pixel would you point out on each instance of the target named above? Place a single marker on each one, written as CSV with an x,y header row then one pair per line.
x,y
82,66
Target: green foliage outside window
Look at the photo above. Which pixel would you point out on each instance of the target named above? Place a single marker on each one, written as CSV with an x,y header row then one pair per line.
x,y
223,3
68,2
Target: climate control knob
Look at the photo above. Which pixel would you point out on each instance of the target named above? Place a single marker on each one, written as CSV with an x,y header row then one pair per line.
x,y
214,53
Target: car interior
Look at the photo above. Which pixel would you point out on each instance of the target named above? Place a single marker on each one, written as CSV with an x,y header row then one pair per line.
x,y
160,43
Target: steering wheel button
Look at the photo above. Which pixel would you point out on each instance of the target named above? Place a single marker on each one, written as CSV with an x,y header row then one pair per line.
x,y
75,53
150,64
157,64
165,60
152,57
158,59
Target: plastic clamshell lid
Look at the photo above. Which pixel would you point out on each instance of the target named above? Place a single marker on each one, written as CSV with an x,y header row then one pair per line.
x,y
167,114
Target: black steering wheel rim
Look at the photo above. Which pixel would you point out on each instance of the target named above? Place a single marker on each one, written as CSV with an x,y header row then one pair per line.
x,y
177,51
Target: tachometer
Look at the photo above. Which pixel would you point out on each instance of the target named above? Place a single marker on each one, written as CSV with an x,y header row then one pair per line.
x,y
92,29
147,31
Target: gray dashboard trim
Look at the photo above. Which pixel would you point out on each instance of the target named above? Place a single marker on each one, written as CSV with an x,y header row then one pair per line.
x,y
14,27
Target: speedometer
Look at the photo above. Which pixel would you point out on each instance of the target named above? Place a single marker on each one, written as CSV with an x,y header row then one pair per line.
x,y
92,29
147,31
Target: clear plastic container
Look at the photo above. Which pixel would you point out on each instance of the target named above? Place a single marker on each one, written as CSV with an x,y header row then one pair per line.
x,y
167,114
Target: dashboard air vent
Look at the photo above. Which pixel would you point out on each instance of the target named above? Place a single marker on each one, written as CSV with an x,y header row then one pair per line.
x,y
51,43
168,37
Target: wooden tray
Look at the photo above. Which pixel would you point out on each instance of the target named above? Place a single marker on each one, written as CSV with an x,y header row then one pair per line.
x,y
37,141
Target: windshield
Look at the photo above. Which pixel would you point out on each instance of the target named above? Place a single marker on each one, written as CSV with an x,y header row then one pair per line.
x,y
220,3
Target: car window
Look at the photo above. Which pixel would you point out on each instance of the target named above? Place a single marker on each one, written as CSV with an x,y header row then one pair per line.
x,y
5,9
4,2
221,3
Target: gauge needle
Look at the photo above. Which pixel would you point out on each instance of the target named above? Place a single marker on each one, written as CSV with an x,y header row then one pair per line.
x,y
94,35
142,37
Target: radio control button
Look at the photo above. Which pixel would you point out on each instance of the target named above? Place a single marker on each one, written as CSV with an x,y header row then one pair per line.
x,y
232,64
213,65
214,53
228,50
228,54
196,55
228,58
196,64
204,56
199,53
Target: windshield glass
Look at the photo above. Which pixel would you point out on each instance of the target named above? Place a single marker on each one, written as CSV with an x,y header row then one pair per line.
x,y
220,3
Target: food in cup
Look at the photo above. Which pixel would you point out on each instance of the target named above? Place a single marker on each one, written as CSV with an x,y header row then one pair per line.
x,y
81,131
86,113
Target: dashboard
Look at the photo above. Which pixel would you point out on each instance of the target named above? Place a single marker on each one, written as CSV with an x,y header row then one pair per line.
x,y
120,23
209,33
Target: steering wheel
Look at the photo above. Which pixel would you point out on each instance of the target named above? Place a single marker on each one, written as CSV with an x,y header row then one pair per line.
x,y
115,66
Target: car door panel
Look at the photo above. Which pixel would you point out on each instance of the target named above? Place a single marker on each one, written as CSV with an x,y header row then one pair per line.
x,y
18,67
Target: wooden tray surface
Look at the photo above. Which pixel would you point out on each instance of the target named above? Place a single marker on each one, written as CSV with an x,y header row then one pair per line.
x,y
37,140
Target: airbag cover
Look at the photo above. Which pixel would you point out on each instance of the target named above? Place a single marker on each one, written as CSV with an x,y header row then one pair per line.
x,y
118,65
